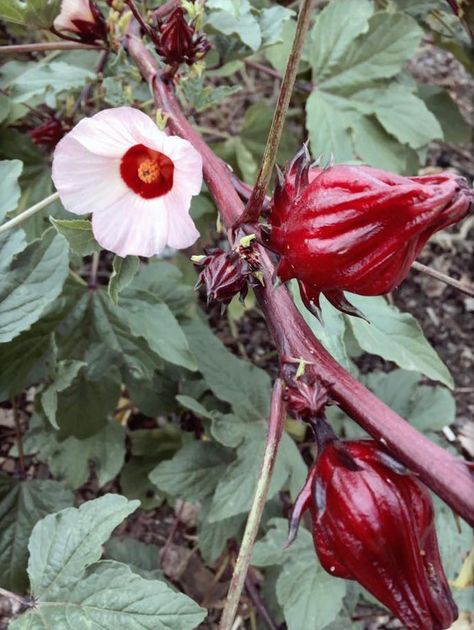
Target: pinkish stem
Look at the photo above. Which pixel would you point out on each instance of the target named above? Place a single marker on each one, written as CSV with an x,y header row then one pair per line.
x,y
446,475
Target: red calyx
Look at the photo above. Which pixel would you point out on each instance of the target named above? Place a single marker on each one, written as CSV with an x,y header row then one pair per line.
x,y
48,133
373,522
178,42
223,274
356,228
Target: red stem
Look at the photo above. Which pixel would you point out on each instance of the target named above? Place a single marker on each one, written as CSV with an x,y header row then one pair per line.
x,y
445,474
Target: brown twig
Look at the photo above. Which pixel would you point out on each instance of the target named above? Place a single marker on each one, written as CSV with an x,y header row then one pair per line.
x,y
19,437
47,47
260,67
87,89
445,474
275,430
264,174
257,600
468,289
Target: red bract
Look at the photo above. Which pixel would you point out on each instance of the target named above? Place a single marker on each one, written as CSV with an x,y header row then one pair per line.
x,y
372,522
48,133
223,274
178,42
356,228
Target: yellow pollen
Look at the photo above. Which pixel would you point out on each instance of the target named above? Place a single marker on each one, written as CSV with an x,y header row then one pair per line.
x,y
148,171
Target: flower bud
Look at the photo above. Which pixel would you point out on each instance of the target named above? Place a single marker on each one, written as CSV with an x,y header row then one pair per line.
x,y
356,228
48,133
177,41
224,274
83,18
372,521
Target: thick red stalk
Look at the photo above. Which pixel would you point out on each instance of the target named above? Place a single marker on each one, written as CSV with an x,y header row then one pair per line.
x,y
445,474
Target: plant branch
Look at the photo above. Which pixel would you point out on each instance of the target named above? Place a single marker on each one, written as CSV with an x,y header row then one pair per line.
x,y
47,47
468,289
260,67
275,429
446,475
29,212
264,174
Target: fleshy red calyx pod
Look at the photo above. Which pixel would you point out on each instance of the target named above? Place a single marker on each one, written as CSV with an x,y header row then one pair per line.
x,y
48,133
356,228
373,522
83,19
223,274
178,41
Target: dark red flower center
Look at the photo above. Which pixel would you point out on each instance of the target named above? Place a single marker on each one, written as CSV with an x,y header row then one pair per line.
x,y
147,172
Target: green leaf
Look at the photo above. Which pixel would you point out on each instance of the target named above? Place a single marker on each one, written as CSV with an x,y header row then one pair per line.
x,y
66,372
63,545
396,337
278,54
310,597
338,24
71,458
135,482
78,233
5,107
379,54
374,146
213,537
272,21
228,429
193,472
244,25
25,360
33,281
38,79
10,171
236,487
166,282
84,407
73,590
244,386
254,132
159,327
402,114
110,596
455,128
11,244
201,96
328,127
123,272
41,13
12,11
142,559
22,504
331,332
425,407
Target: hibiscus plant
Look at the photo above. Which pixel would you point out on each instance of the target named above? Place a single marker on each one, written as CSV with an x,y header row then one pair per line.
x,y
186,185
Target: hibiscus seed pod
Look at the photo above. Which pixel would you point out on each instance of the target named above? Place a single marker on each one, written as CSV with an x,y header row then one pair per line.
x,y
223,274
178,42
373,522
356,228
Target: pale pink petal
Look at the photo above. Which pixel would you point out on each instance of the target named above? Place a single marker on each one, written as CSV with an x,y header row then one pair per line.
x,y
86,182
73,10
182,232
132,227
187,163
109,133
